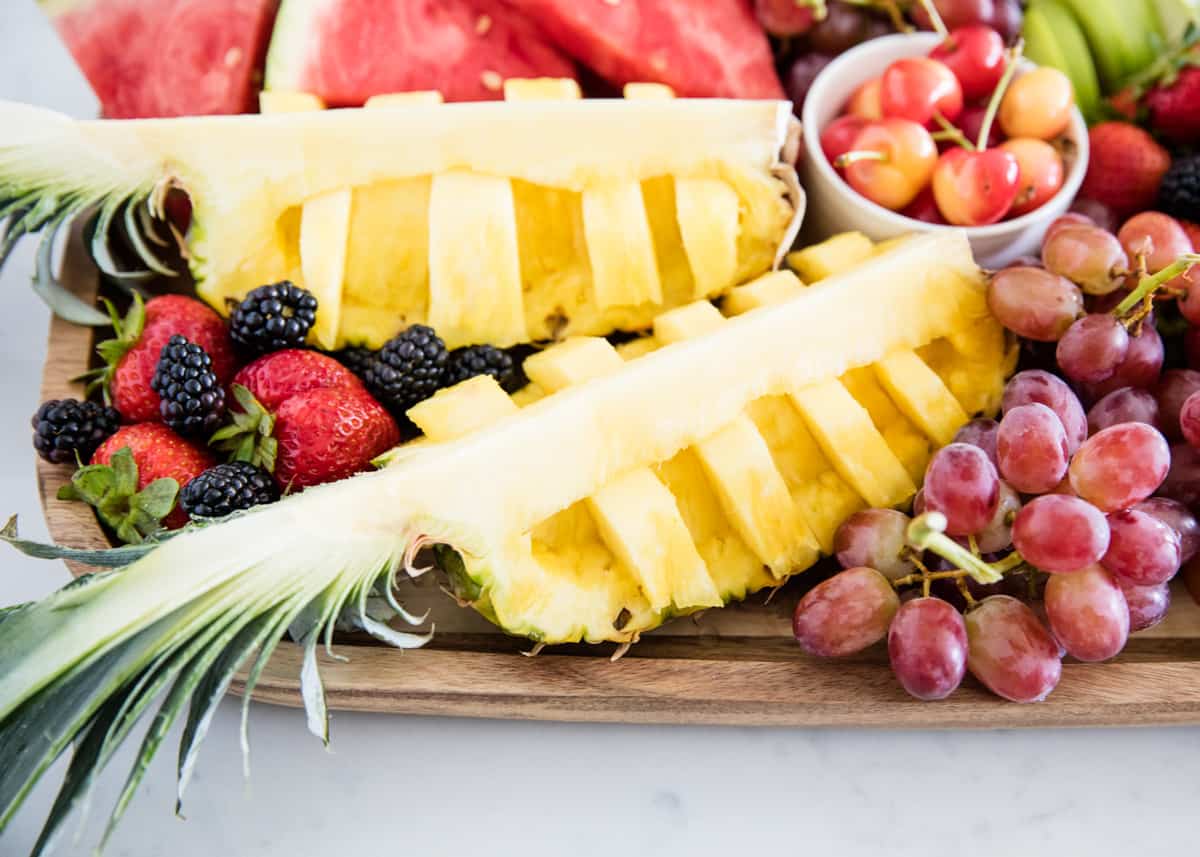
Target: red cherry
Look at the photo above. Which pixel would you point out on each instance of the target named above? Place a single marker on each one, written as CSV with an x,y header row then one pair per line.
x,y
864,101
975,54
1041,172
975,188
916,88
970,122
891,162
838,136
924,208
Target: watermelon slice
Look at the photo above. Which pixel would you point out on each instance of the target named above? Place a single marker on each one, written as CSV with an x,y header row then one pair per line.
x,y
345,51
167,57
697,47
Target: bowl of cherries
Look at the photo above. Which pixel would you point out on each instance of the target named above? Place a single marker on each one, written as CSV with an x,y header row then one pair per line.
x,y
925,131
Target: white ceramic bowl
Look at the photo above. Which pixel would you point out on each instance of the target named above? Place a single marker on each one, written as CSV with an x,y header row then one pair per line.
x,y
833,206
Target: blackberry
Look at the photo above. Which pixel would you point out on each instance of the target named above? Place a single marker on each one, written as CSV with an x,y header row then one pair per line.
x,y
193,400
274,317
1179,193
408,369
66,428
355,359
228,488
472,360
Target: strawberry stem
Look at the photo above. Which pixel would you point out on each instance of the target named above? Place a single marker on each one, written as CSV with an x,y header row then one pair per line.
x,y
1148,284
1014,56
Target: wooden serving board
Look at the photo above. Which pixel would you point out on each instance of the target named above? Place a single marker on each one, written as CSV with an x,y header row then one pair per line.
x,y
737,665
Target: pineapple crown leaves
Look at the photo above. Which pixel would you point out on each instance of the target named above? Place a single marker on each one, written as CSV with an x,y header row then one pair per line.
x,y
112,489
126,333
250,434
117,557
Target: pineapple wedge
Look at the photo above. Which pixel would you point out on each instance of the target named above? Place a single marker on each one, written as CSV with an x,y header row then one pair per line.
x,y
536,219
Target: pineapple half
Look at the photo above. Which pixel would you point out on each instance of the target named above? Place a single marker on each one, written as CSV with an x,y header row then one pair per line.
x,y
623,487
535,219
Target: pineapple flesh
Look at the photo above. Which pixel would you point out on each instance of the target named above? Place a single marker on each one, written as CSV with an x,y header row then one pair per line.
x,y
751,498
537,219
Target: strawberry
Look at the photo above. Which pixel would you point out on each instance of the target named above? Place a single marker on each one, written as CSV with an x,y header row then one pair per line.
x,y
329,434
134,479
276,377
1126,167
306,418
132,355
1175,107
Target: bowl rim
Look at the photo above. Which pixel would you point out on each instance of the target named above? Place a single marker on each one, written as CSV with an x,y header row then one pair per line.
x,y
845,65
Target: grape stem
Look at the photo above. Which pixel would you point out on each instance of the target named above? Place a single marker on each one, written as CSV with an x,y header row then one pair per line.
x,y
847,158
1014,56
927,532
1148,284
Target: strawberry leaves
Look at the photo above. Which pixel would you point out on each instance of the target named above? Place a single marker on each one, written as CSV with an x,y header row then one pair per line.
x,y
127,331
250,435
112,490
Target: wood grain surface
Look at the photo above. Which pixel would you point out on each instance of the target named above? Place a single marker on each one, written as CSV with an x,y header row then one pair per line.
x,y
736,665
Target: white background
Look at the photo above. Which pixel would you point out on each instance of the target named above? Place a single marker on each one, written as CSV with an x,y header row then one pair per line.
x,y
410,785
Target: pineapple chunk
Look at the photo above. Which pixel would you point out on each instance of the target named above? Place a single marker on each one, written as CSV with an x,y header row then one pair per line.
x,y
708,211
282,101
464,408
907,443
920,393
474,294
833,256
768,289
658,91
619,246
403,99
845,432
640,347
572,362
541,89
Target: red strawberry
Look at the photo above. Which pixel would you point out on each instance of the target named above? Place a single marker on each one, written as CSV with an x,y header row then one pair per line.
x,y
1126,167
158,452
132,356
1175,107
276,377
329,434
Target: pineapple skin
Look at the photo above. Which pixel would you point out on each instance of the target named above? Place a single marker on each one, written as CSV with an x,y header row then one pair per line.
x,y
834,446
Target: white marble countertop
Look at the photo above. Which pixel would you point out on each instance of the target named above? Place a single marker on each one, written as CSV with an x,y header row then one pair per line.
x,y
424,785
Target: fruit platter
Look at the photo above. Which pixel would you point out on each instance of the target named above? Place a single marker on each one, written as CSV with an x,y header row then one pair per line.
x,y
575,377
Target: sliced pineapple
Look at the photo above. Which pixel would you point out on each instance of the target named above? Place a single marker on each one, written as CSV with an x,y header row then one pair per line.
x,y
839,253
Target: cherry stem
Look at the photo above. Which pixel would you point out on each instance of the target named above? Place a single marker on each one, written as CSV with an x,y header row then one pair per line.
x,y
936,19
1148,284
847,158
993,107
928,533
951,132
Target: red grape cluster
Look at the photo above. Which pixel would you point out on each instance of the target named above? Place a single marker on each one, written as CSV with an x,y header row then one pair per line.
x,y
1054,530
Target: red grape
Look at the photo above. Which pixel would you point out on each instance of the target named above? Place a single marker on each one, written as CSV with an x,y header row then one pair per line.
x,y
1189,420
1140,368
1120,466
845,614
962,484
1031,448
1172,390
1092,348
784,17
1125,405
875,538
1036,385
1087,613
1071,218
1010,651
800,76
1007,18
1191,345
1059,533
997,536
980,432
1096,212
1148,605
1183,477
1086,255
843,27
1156,236
1141,549
1034,303
956,13
927,645
1176,516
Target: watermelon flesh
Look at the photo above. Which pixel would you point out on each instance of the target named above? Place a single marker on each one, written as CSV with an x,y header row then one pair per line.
x,y
345,51
700,48
168,57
